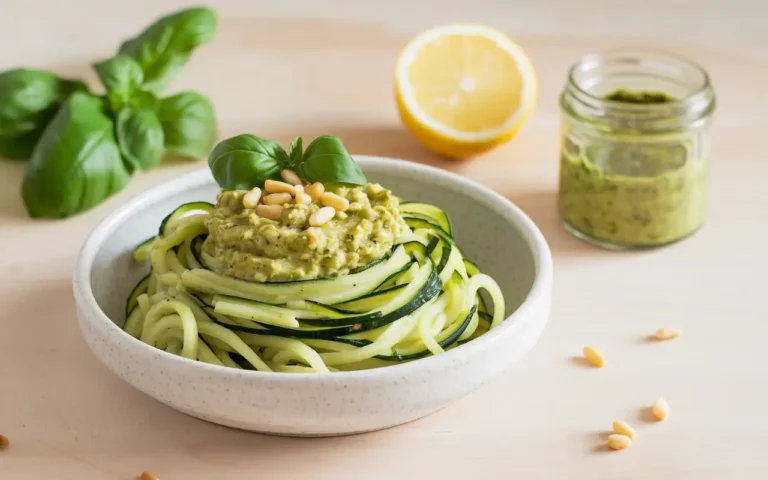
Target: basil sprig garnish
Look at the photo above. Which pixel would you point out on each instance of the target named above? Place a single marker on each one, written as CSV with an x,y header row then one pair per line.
x,y
84,147
247,161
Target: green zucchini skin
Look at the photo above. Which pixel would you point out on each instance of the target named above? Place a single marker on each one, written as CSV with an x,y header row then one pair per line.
x,y
141,252
416,250
368,265
395,274
447,342
173,218
428,212
430,290
140,288
415,222
361,303
432,245
444,258
197,248
334,308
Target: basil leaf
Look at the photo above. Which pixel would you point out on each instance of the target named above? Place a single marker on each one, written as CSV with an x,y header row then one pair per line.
x,y
165,46
326,160
28,101
140,137
189,123
295,152
122,77
18,147
143,99
246,161
76,164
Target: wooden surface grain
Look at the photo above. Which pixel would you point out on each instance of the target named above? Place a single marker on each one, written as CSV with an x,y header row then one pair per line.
x,y
279,69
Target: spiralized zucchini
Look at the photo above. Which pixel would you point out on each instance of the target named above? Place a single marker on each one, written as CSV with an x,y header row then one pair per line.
x,y
422,299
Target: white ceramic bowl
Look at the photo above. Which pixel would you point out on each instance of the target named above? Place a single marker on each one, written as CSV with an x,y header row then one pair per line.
x,y
490,230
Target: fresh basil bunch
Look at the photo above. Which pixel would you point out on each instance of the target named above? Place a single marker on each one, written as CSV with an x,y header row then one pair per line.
x,y
247,161
85,147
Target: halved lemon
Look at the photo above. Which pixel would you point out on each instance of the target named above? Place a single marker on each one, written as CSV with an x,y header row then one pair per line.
x,y
463,89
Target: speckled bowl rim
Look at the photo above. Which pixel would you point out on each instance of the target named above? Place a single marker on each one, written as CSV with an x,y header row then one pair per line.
x,y
540,251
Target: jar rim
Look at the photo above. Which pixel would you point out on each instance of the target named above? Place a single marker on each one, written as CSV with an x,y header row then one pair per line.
x,y
701,89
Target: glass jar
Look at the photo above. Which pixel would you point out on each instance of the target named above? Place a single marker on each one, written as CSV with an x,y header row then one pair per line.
x,y
634,149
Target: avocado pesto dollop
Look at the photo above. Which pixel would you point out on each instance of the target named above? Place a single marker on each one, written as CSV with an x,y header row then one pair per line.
x,y
250,247
630,188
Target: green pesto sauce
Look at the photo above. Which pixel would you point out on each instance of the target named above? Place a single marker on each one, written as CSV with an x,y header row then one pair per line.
x,y
631,190
641,98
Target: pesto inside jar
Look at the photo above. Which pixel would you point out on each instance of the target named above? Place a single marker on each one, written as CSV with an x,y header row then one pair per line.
x,y
639,97
628,188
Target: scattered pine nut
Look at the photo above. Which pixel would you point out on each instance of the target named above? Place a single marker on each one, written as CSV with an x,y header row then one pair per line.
x,y
277,199
251,199
667,333
290,177
619,442
298,189
148,476
321,217
315,191
272,212
594,357
332,200
623,428
4,442
303,198
274,186
660,409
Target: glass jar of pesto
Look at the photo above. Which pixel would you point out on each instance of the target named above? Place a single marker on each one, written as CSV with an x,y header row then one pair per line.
x,y
634,149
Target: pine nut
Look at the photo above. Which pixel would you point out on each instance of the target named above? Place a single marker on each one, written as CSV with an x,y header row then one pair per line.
x,y
322,216
290,177
619,442
277,199
623,428
667,333
315,191
272,212
297,189
274,186
4,442
660,409
594,357
251,199
148,476
332,200
303,198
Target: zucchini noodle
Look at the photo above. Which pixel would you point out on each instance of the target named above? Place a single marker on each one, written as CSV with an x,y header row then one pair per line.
x,y
420,299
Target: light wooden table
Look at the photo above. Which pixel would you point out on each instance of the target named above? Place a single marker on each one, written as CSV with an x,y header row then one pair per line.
x,y
319,66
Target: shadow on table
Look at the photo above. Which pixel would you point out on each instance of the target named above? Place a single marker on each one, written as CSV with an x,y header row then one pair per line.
x,y
541,206
315,451
11,173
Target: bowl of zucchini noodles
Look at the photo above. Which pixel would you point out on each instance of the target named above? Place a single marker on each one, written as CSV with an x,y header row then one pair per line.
x,y
461,295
